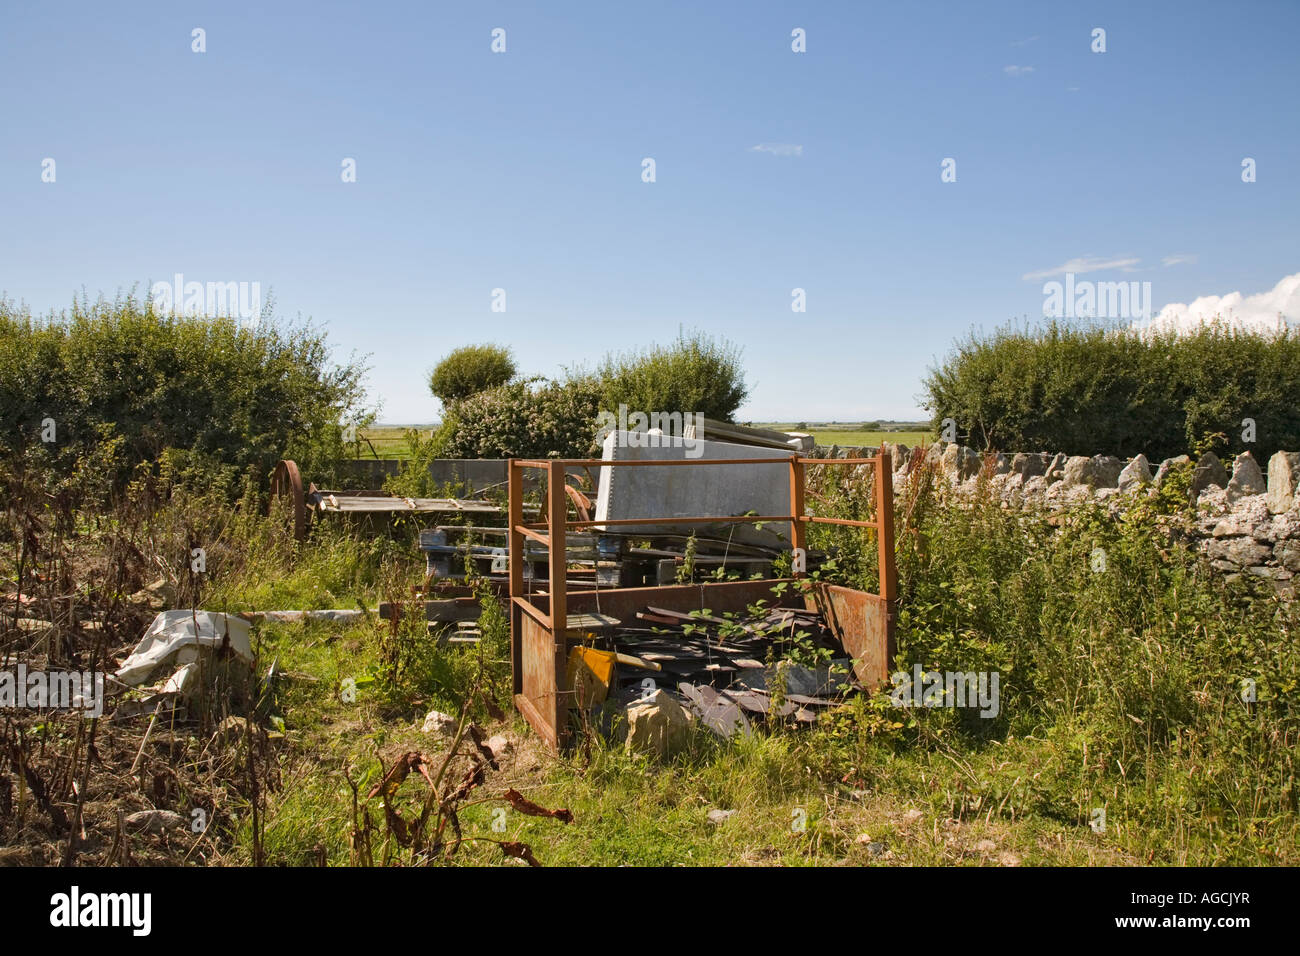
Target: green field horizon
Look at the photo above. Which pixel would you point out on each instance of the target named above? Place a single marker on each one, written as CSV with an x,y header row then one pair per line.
x,y
389,441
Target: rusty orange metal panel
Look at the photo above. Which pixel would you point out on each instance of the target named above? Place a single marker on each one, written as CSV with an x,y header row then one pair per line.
x,y
539,689
861,622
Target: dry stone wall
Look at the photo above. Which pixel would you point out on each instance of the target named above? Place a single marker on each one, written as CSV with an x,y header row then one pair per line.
x,y
1248,517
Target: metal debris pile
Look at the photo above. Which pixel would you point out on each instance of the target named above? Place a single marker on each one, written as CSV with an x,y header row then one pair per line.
x,y
726,669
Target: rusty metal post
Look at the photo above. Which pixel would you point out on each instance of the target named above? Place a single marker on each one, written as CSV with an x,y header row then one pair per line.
x,y
515,550
798,534
557,513
885,544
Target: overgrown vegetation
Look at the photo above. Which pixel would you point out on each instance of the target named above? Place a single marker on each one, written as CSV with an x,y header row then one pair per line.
x,y
1146,706
1099,389
1121,692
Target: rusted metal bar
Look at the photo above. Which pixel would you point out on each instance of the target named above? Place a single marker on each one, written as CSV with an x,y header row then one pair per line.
x,y
797,508
885,548
720,519
515,545
841,461
668,463
531,531
814,519
532,610
558,513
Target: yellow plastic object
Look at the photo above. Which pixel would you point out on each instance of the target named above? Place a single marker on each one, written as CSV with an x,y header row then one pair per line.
x,y
590,672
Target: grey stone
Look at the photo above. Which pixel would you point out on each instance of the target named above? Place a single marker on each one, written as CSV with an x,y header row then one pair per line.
x,y
1284,525
658,726
1168,465
1099,471
959,462
717,817
1028,465
1001,465
1209,471
500,746
1055,468
1242,552
1246,479
1075,470
154,821
1248,517
898,455
435,722
1264,571
1135,474
1287,554
1283,476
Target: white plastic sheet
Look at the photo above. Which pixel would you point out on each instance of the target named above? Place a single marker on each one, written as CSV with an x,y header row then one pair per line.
x,y
178,638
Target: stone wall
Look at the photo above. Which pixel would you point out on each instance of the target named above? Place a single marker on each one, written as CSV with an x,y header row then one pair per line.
x,y
1248,522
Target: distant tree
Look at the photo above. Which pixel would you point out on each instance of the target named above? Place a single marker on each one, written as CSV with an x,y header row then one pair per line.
x,y
469,370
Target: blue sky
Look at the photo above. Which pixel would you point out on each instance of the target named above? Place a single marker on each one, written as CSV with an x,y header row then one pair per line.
x,y
523,171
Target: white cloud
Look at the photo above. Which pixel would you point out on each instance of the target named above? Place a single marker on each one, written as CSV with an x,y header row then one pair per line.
x,y
778,149
1081,265
1178,258
1017,70
1024,42
1072,89
1258,311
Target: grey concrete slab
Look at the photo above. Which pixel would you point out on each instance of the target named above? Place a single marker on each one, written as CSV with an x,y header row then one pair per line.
x,y
703,491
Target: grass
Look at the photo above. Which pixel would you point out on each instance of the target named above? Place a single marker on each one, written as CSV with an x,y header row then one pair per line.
x,y
389,441
830,437
629,810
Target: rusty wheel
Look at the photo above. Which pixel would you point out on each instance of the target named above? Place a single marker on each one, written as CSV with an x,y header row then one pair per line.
x,y
287,497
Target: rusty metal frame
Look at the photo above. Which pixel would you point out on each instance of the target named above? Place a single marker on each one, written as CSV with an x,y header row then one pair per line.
x,y
539,649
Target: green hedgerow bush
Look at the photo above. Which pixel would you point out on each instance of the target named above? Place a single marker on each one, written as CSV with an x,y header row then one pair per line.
x,y
469,370
539,418
1094,389
524,420
211,396
692,374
